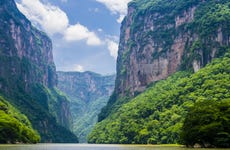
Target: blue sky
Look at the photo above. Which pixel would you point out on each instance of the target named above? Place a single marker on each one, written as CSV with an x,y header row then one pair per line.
x,y
85,33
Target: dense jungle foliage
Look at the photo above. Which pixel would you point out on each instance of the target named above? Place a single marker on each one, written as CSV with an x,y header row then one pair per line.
x,y
207,124
157,115
14,126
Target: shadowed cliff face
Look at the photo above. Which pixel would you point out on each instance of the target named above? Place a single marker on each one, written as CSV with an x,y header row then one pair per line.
x,y
158,39
28,74
28,45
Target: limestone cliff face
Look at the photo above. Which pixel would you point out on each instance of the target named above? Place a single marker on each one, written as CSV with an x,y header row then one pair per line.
x,y
158,39
28,75
88,93
30,47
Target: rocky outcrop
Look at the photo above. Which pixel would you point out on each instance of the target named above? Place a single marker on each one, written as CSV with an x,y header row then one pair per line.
x,y
88,93
28,74
157,40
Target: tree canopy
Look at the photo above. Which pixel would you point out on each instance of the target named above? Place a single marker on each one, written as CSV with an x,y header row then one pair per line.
x,y
14,126
157,115
208,124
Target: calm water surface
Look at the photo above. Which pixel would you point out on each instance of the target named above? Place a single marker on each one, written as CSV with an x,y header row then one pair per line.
x,y
91,147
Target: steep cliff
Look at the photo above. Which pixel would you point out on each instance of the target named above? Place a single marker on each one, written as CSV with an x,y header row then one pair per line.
x,y
88,93
158,39
159,114
161,37
28,75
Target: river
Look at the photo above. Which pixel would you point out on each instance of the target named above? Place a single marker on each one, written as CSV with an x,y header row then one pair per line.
x,y
92,147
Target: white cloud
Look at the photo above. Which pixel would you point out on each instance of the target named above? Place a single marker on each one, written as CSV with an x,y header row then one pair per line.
x,y
78,32
116,7
50,18
78,68
113,48
53,20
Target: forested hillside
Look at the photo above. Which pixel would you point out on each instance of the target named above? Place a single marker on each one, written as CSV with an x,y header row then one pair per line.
x,y
163,46
14,126
157,115
159,38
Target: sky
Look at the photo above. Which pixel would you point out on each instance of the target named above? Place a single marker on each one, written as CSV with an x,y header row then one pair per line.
x,y
85,33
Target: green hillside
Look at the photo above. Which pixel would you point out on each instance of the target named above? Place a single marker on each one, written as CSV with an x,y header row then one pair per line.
x,y
157,115
14,126
201,35
161,86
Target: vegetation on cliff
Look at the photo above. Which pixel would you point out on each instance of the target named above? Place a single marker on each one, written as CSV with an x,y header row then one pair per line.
x,y
14,126
161,37
28,76
43,106
157,115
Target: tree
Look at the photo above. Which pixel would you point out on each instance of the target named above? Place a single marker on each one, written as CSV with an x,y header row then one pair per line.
x,y
208,124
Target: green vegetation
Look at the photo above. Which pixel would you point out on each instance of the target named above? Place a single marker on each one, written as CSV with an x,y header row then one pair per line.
x,y
157,115
210,18
23,89
85,120
46,109
153,22
43,106
14,126
208,124
28,79
164,12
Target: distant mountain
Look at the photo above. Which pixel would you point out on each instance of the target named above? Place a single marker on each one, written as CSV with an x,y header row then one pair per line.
x,y
159,38
88,92
28,76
